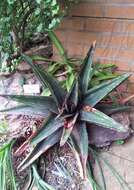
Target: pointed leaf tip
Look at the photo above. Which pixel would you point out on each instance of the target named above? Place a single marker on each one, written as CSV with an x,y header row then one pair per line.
x,y
99,118
94,44
97,93
86,72
39,149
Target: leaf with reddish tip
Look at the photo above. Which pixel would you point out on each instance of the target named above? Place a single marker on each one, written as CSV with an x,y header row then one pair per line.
x,y
98,118
97,93
47,80
65,135
68,129
40,148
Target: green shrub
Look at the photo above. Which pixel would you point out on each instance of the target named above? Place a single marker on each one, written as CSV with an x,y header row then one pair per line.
x,y
20,19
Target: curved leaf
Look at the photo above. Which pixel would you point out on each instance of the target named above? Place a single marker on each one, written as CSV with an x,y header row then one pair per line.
x,y
39,182
86,71
97,93
111,109
42,147
72,98
26,110
41,102
47,80
80,137
50,126
98,118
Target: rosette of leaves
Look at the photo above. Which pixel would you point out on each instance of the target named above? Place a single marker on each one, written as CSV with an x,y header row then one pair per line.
x,y
69,113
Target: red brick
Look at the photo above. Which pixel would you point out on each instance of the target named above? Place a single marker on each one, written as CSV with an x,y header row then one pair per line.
x,y
109,25
81,37
120,11
72,23
120,1
105,9
74,50
88,9
117,41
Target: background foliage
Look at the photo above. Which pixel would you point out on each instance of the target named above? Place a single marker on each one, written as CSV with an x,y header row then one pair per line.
x,y
20,19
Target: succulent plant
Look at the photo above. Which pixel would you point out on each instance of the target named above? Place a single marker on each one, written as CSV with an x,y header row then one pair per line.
x,y
68,114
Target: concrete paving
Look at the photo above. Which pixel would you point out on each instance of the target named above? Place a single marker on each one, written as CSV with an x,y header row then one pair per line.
x,y
121,157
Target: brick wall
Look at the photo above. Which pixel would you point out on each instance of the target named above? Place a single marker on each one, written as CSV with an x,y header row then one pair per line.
x,y
110,23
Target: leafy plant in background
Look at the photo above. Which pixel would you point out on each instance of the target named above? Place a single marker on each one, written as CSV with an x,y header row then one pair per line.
x,y
20,19
67,72
7,177
69,113
36,181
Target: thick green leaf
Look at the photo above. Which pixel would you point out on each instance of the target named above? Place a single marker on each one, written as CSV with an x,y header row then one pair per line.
x,y
86,71
111,109
26,110
70,80
97,93
7,176
41,102
47,80
80,136
72,98
38,150
50,126
10,168
98,118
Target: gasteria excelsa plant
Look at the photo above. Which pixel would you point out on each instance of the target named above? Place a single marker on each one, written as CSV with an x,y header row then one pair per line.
x,y
70,114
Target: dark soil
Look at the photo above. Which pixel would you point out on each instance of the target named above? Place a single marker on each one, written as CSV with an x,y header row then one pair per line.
x,y
70,179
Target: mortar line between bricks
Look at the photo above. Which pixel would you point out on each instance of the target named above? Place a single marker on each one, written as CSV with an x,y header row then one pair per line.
x,y
110,18
121,157
126,34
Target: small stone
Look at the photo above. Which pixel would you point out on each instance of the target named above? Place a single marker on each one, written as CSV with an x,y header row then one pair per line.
x,y
23,66
31,89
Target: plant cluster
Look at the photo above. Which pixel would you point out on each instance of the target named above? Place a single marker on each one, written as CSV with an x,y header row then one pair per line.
x,y
7,177
69,114
20,19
